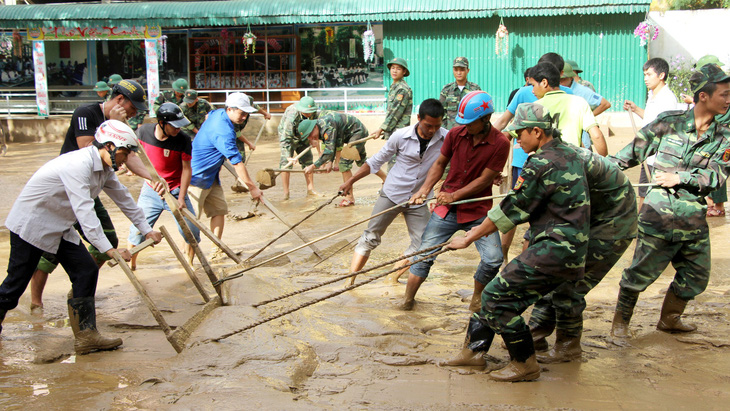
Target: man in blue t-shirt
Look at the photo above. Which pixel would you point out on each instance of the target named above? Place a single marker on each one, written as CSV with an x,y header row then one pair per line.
x,y
214,143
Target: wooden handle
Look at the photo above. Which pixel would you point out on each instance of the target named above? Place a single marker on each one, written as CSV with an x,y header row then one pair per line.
x,y
362,140
136,249
261,130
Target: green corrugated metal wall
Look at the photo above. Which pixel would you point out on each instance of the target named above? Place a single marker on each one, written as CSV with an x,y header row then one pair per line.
x,y
604,47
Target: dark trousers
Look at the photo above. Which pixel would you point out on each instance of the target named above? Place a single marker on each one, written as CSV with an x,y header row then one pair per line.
x,y
74,258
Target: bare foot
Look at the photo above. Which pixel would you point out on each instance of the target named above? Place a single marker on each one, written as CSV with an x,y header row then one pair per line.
x,y
312,193
36,309
286,196
407,305
466,357
392,278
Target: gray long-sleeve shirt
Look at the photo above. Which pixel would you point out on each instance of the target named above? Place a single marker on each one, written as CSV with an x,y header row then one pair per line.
x,y
61,193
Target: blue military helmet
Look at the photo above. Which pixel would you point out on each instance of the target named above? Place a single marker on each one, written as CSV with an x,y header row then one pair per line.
x,y
473,106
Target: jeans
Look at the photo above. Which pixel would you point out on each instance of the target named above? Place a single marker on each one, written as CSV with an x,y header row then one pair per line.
x,y
152,205
440,230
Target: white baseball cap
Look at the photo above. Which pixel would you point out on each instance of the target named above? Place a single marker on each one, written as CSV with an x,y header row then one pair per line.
x,y
240,101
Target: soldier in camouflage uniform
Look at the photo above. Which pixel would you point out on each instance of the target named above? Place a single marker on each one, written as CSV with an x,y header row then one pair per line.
x,y
293,143
195,110
577,77
692,154
452,93
335,130
175,95
399,103
113,80
552,195
613,227
102,90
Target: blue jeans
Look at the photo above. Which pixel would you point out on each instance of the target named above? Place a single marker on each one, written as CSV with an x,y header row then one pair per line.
x,y
440,230
152,205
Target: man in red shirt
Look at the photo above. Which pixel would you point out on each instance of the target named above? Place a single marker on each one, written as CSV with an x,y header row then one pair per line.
x,y
170,151
477,153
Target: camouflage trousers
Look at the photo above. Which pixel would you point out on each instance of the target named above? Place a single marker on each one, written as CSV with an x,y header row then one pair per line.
x,y
564,306
49,262
511,292
304,161
690,259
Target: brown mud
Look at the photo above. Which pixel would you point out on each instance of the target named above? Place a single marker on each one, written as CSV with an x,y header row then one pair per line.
x,y
355,350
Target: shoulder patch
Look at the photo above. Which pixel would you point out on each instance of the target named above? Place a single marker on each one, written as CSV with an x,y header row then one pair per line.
x,y
726,155
519,183
326,136
399,97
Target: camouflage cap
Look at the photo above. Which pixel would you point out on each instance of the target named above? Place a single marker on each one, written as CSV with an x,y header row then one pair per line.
x,y
180,85
708,59
461,62
574,64
306,105
101,86
709,73
114,79
306,126
190,96
568,71
530,115
401,62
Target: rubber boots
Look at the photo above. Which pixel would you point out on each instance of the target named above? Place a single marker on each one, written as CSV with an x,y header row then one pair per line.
x,y
523,365
566,348
477,342
539,336
624,310
672,309
82,316
2,318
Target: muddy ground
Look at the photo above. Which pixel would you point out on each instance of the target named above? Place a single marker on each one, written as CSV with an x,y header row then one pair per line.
x,y
355,350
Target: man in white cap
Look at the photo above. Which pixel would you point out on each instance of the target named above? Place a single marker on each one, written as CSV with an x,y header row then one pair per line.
x,y
216,142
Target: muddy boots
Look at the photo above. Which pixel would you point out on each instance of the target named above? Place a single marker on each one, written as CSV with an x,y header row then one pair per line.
x,y
523,364
624,310
82,315
670,320
566,348
478,340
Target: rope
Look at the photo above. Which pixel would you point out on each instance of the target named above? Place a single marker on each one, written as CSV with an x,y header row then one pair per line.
x,y
338,250
303,290
292,227
317,300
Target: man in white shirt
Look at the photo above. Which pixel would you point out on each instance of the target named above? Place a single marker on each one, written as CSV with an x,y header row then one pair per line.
x,y
659,100
42,218
418,146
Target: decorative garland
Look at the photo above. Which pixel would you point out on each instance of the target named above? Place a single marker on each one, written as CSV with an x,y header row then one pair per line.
x,y
501,39
6,46
330,31
162,48
368,44
647,32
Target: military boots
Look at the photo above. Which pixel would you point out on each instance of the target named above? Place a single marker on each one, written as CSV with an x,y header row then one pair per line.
x,y
478,339
671,317
566,348
624,310
523,365
82,315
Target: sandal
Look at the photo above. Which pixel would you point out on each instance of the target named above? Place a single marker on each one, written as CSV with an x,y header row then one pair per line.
x,y
345,203
714,212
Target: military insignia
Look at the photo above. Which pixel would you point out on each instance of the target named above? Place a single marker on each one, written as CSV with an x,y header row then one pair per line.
x,y
399,97
326,136
726,155
519,183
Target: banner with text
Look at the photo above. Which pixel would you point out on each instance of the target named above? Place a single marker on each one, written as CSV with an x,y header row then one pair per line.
x,y
41,79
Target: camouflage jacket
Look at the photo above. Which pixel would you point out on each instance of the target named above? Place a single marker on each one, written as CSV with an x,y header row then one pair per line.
x,y
288,134
196,114
400,105
450,98
552,195
164,97
135,121
587,84
678,213
336,130
613,200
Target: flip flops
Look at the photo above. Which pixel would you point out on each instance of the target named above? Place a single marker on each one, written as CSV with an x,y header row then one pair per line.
x,y
345,203
714,212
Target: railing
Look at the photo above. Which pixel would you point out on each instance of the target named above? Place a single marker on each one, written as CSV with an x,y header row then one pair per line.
x,y
360,101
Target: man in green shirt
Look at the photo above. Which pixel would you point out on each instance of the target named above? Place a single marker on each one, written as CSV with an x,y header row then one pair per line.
x,y
452,93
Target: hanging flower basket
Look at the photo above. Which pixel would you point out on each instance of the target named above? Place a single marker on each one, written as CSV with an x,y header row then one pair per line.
x,y
368,44
249,43
501,40
646,32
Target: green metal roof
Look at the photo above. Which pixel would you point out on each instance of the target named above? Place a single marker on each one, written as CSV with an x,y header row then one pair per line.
x,y
257,12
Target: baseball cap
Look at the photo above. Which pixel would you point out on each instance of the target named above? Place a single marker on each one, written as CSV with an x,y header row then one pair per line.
x,y
461,62
240,101
530,115
306,105
134,92
709,73
708,59
190,96
180,85
101,86
568,71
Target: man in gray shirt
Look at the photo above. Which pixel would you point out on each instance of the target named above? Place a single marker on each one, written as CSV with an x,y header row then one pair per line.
x,y
418,147
42,218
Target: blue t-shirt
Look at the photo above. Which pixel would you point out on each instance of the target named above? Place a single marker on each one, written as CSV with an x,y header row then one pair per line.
x,y
524,95
594,99
215,142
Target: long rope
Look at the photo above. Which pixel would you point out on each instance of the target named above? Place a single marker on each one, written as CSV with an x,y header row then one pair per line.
x,y
338,250
317,300
292,227
303,290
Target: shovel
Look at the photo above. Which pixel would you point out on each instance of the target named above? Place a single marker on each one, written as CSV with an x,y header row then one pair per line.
x,y
350,153
267,177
